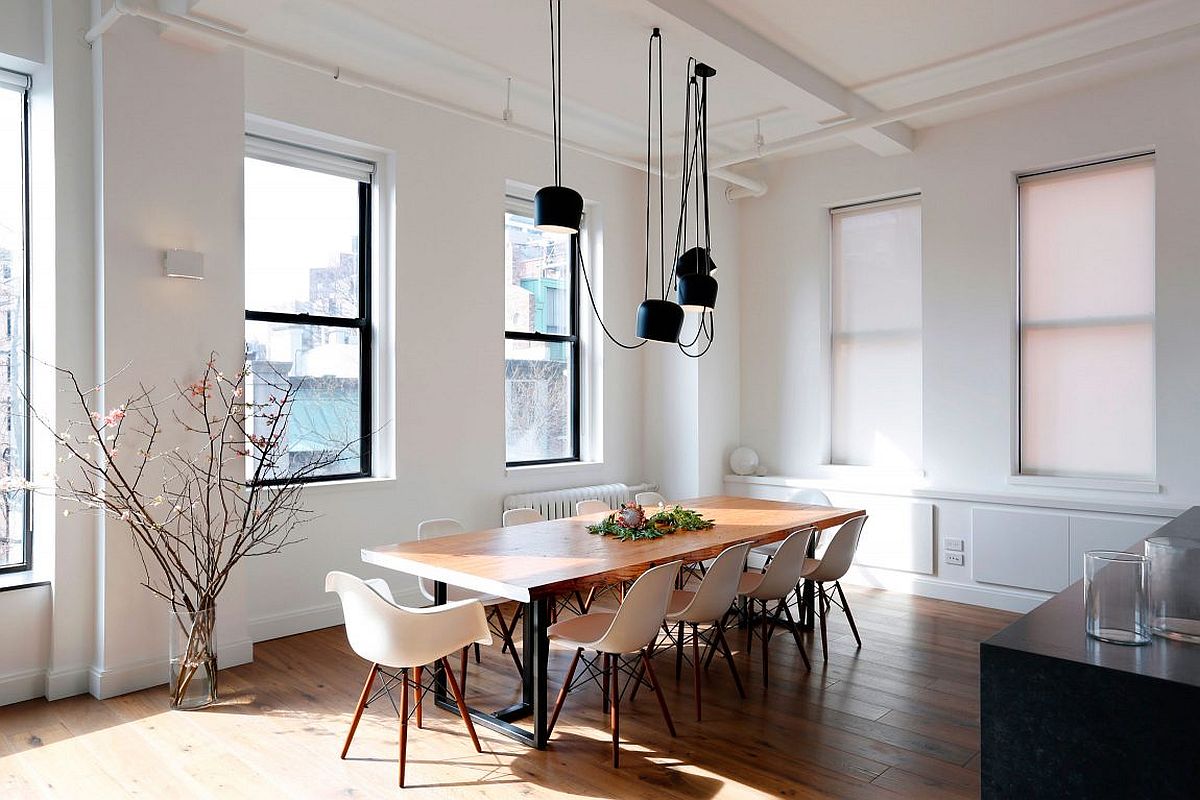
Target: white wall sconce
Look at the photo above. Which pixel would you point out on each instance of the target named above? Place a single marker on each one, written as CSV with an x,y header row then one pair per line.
x,y
183,264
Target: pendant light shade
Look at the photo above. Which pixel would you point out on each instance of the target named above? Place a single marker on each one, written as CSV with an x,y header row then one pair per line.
x,y
698,292
695,261
659,321
557,209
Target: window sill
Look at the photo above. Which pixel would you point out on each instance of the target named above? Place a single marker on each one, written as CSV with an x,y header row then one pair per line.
x,y
353,484
565,466
26,579
1093,484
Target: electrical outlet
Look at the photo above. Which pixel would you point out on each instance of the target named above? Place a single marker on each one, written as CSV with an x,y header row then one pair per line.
x,y
955,558
956,545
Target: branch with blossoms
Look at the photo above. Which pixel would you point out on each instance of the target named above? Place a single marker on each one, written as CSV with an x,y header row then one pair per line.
x,y
224,488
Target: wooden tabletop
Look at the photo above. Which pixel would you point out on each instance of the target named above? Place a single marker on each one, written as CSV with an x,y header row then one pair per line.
x,y
557,556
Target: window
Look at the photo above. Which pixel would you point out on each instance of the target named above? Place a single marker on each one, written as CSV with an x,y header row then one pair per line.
x,y
876,332
15,540
541,342
1087,321
308,298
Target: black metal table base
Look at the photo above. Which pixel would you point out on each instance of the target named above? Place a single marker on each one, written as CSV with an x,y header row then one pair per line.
x,y
533,705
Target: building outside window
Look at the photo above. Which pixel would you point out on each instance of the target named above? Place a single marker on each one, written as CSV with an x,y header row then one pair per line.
x,y
308,299
15,538
541,343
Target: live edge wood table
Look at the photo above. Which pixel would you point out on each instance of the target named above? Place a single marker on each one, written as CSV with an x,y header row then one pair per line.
x,y
532,563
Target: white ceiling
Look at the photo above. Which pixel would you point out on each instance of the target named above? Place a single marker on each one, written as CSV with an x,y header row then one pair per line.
x,y
796,65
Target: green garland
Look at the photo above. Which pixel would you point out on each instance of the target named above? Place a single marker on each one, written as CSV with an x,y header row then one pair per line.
x,y
652,527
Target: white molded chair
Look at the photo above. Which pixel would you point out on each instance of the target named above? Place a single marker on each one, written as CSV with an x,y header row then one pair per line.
x,y
631,629
650,500
591,507
394,638
774,585
708,605
433,528
832,567
521,516
812,497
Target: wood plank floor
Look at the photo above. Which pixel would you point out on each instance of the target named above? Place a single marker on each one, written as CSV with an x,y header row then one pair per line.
x,y
898,718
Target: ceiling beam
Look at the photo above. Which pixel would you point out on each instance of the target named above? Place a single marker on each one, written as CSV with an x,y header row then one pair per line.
x,y
889,139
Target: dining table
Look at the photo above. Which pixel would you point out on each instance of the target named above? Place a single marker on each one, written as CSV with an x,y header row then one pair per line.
x,y
532,563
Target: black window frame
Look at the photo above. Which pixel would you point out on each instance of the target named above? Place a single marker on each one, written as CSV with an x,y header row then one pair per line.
x,y
573,338
26,562
362,324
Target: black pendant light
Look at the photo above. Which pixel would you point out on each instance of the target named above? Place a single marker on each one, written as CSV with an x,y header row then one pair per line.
x,y
658,319
557,208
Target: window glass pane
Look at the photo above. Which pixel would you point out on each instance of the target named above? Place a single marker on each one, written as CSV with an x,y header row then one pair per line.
x,y
1087,243
302,230
1087,322
1087,401
876,354
321,364
537,269
12,326
538,398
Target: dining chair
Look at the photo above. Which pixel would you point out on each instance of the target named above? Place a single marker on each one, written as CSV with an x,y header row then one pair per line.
x,y
433,528
650,500
775,585
630,630
707,605
525,516
396,640
591,507
521,516
811,497
831,568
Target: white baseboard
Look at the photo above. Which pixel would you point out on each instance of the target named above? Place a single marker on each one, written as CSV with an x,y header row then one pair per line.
x,y
66,683
125,678
998,597
21,686
327,615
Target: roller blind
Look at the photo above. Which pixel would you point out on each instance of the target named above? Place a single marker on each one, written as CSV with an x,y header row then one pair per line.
x,y
293,155
14,80
1087,318
876,334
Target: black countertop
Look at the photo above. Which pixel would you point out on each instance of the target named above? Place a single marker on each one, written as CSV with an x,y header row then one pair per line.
x,y
1055,629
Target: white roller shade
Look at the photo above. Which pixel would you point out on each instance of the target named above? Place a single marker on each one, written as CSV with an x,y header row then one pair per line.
x,y
14,80
293,155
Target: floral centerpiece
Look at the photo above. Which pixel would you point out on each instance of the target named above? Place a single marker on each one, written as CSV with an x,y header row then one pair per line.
x,y
201,477
630,522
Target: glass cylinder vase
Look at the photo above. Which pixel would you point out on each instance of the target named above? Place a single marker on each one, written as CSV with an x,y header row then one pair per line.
x,y
1174,587
193,652
1116,596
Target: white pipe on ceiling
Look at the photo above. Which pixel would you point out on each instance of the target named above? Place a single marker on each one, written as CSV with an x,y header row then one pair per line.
x,y
119,8
1008,84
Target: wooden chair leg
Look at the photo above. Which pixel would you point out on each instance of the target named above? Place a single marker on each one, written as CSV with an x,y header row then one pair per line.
x,y
748,611
604,658
462,705
562,693
358,710
822,611
463,666
696,667
849,617
679,651
765,643
403,721
662,701
796,635
737,679
615,709
417,692
587,604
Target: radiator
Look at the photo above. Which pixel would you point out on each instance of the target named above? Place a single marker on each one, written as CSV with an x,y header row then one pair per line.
x,y
559,503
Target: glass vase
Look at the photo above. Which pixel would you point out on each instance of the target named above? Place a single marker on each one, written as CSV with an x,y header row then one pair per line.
x,y
1116,596
193,678
1174,587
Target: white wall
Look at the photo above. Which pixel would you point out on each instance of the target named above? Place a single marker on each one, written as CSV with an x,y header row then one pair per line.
x,y
965,172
